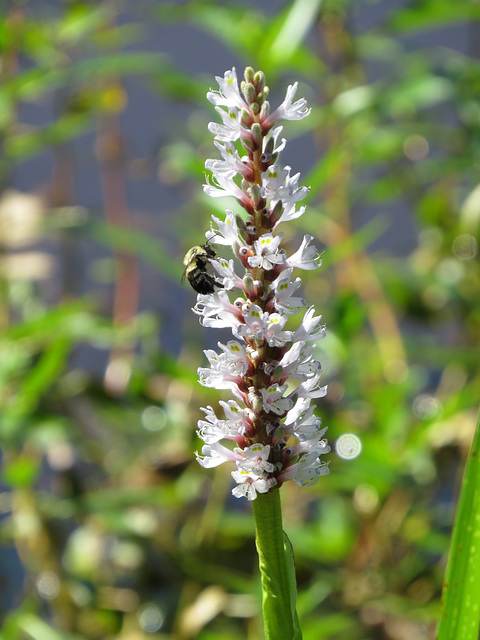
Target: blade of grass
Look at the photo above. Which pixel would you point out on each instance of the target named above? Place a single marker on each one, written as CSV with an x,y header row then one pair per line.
x,y
461,590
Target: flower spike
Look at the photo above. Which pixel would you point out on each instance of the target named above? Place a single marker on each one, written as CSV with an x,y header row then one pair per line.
x,y
269,428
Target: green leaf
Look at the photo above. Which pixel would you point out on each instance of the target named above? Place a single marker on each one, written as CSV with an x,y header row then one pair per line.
x,y
298,21
28,144
461,593
292,584
241,28
138,242
34,82
38,380
37,629
431,14
21,472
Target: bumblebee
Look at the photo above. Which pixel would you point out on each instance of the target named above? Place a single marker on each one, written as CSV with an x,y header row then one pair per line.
x,y
196,262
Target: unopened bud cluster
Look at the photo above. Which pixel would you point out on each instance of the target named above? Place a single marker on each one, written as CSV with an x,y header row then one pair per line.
x,y
269,370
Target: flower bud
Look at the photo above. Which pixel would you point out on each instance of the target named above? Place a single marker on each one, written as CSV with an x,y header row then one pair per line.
x,y
248,284
249,74
265,218
259,81
276,213
242,227
265,110
256,194
248,144
249,92
269,146
256,131
246,118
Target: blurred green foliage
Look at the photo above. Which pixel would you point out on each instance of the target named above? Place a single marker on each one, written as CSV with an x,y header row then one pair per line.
x,y
109,528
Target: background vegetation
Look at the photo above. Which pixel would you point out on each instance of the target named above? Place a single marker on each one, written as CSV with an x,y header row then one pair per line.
x,y
109,528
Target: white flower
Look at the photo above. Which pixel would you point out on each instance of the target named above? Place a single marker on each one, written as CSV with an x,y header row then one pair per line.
x,y
289,110
278,185
215,454
217,310
226,369
306,331
306,257
298,362
222,185
249,484
266,249
311,388
226,271
274,334
212,429
312,445
227,232
254,327
228,94
306,471
283,290
273,134
237,418
256,459
231,160
307,426
273,400
230,130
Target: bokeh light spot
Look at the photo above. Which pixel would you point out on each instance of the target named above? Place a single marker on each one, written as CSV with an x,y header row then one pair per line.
x,y
348,446
426,407
48,585
465,246
415,147
154,418
366,498
450,271
151,618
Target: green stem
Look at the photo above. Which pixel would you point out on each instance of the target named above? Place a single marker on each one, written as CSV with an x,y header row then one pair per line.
x,y
276,568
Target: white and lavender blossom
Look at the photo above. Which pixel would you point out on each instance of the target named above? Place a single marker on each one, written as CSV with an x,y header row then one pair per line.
x,y
269,427
227,232
306,257
266,252
289,110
